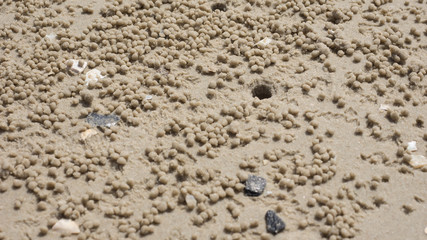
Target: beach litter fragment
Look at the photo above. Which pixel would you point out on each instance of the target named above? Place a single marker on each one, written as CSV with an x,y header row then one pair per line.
x,y
412,146
88,133
99,120
78,66
418,161
274,223
255,185
66,226
93,75
264,42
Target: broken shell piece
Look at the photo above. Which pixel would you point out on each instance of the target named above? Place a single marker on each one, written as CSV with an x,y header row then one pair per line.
x,y
51,36
93,75
78,66
148,97
384,108
88,133
412,146
264,42
418,161
66,226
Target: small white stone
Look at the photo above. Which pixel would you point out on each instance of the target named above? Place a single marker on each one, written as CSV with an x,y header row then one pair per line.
x,y
412,146
75,68
264,42
93,75
66,226
418,161
148,97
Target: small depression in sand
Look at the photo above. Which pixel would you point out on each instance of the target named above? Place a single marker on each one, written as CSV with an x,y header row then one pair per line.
x,y
262,91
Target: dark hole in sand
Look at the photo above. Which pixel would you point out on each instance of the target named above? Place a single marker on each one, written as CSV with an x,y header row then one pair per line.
x,y
220,6
262,91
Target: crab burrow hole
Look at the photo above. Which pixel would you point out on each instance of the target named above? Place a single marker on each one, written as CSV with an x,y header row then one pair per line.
x,y
262,91
220,6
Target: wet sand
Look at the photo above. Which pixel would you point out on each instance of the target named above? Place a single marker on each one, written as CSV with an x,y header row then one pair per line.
x,y
144,119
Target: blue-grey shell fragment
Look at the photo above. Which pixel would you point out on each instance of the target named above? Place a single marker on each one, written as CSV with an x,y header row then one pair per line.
x,y
99,120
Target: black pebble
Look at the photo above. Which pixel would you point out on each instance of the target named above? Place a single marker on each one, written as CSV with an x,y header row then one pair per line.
x,y
255,185
96,120
274,223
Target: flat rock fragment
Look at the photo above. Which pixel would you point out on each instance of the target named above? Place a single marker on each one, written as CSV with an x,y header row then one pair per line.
x,y
99,120
274,223
255,185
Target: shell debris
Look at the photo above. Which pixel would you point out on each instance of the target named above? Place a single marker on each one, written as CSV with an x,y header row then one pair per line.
x,y
412,146
264,42
88,133
418,161
384,108
93,75
78,66
66,226
51,36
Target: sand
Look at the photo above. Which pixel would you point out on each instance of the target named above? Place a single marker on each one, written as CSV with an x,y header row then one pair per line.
x,y
322,99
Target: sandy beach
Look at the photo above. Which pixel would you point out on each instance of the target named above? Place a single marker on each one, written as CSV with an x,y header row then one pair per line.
x,y
228,119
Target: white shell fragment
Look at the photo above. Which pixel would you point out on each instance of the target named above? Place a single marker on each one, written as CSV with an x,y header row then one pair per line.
x,y
66,226
148,97
88,133
51,36
264,42
93,75
77,68
418,161
412,146
384,108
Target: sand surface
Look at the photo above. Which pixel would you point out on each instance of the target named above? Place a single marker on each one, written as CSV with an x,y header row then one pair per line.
x,y
322,99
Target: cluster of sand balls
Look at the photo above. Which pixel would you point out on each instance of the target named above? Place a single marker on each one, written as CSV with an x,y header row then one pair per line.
x,y
152,54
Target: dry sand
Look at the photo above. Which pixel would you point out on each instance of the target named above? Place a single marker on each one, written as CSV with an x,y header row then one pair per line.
x,y
319,98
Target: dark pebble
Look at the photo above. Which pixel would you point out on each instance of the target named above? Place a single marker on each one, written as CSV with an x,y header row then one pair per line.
x,y
274,223
98,120
255,185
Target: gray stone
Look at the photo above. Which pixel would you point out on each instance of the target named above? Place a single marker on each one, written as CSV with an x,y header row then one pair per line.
x,y
255,185
274,223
